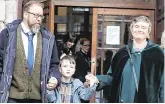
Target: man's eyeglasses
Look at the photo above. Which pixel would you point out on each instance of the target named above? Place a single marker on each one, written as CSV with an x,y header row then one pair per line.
x,y
36,15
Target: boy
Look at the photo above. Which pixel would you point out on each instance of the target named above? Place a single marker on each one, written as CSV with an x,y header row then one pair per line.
x,y
71,90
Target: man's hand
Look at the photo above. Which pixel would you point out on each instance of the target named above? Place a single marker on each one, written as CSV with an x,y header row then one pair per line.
x,y
52,83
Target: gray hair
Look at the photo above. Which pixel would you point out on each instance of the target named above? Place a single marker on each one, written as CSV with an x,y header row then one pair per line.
x,y
144,19
30,3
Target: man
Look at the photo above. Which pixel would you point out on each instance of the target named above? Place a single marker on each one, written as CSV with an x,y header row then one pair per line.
x,y
28,58
83,60
137,71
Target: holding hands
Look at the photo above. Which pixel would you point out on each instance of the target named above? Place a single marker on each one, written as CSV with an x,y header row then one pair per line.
x,y
91,79
52,83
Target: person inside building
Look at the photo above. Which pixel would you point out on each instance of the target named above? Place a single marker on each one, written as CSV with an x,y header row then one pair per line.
x,y
107,61
106,66
83,60
28,58
68,48
71,89
137,69
83,66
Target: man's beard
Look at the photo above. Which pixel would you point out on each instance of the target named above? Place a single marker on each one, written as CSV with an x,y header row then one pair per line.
x,y
35,28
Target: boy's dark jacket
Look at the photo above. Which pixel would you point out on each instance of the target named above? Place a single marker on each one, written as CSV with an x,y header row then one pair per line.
x,y
49,65
151,71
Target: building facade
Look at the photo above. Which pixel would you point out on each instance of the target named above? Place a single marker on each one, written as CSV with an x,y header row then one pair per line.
x,y
8,10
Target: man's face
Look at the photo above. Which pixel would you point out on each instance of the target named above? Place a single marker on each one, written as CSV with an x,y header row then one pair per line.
x,y
86,46
67,68
140,30
34,17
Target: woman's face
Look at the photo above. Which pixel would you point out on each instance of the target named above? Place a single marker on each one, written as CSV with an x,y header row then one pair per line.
x,y
69,44
140,30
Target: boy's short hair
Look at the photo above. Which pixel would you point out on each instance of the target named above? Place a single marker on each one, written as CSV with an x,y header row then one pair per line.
x,y
68,57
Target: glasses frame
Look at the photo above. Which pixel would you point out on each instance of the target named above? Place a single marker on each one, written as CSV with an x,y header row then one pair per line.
x,y
86,45
36,15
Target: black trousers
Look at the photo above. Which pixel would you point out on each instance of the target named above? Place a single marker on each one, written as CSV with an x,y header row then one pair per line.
x,y
11,100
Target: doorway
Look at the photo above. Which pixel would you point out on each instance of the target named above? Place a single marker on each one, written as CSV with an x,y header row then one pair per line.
x,y
72,20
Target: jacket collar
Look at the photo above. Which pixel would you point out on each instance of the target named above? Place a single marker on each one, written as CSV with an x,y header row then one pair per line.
x,y
149,44
45,33
14,25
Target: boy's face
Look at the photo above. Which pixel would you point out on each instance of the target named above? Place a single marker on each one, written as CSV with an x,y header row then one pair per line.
x,y
67,68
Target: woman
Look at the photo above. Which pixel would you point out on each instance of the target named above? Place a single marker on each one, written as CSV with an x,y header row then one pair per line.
x,y
68,48
137,69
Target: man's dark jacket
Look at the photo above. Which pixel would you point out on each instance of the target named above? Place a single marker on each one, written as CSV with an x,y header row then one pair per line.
x,y
49,63
151,71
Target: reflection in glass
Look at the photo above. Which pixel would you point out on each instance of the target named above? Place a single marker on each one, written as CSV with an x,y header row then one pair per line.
x,y
110,20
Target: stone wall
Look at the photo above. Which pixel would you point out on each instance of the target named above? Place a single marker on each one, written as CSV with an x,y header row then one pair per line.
x,y
8,12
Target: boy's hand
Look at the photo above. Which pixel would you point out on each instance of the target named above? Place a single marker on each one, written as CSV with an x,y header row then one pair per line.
x,y
86,84
52,83
91,79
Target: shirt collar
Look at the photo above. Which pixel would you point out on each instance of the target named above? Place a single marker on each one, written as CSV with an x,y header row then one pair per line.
x,y
25,29
83,52
66,83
